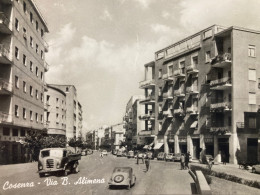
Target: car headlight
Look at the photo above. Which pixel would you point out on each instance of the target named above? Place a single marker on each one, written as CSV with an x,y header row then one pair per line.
x,y
40,166
58,165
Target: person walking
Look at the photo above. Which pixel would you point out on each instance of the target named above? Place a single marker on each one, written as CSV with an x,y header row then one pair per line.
x,y
147,164
182,161
137,157
187,159
101,154
143,158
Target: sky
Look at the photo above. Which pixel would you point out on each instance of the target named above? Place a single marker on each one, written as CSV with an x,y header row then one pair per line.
x,y
101,46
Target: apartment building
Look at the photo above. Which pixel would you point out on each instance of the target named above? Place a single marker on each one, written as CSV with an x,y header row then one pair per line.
x,y
73,111
117,135
204,93
134,123
55,111
22,70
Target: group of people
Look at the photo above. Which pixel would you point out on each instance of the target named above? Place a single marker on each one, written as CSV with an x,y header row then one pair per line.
x,y
185,159
146,161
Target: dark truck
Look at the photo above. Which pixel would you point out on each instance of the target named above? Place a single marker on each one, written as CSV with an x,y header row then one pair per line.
x,y
59,160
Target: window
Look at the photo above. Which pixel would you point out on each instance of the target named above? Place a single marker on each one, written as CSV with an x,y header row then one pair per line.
x,y
195,60
36,71
36,117
15,132
31,17
16,111
6,131
31,41
16,82
37,48
24,7
37,94
16,53
42,76
207,34
42,33
24,59
22,133
57,118
31,66
41,97
24,113
252,75
182,64
37,26
229,121
16,24
251,51
24,86
24,33
252,122
57,100
207,56
160,73
31,115
252,98
41,54
31,90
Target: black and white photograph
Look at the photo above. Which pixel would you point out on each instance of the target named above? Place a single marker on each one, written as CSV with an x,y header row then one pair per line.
x,y
138,97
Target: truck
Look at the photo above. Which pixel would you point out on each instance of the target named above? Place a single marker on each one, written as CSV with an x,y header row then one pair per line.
x,y
58,160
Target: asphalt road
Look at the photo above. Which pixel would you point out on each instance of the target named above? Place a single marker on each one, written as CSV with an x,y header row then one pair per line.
x,y
163,178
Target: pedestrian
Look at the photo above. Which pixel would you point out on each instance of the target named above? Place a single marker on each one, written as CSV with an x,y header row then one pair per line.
x,y
137,157
187,159
223,158
101,154
182,161
143,158
147,164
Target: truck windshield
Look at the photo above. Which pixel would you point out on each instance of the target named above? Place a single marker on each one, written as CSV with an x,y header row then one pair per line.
x,y
55,153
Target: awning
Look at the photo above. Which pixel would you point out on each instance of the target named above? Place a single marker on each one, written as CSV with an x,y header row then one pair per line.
x,y
194,125
158,145
148,146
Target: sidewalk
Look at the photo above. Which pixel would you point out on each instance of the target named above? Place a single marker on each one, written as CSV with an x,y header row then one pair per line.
x,y
232,169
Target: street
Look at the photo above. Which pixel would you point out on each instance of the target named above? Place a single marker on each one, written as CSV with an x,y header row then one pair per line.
x,y
163,178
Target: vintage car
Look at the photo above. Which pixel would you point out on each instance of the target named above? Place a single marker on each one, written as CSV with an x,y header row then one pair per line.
x,y
161,156
256,168
177,157
59,160
122,176
119,153
104,152
169,157
130,154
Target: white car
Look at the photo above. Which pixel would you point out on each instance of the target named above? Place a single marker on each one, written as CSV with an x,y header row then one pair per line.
x,y
104,152
256,168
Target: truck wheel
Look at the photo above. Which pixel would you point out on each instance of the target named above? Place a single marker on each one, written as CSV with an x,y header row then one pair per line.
x,y
76,168
65,173
41,174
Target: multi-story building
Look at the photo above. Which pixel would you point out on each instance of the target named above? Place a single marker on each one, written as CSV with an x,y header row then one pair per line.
x,y
55,111
135,122
205,93
117,135
22,70
73,110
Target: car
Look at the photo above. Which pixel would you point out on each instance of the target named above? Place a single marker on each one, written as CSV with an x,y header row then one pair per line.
x,y
130,154
169,157
256,168
104,152
119,153
114,152
161,156
84,153
89,151
122,176
177,157
124,153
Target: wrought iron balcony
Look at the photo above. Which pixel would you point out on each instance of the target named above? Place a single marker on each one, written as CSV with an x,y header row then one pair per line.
x,y
192,69
5,26
5,57
147,116
5,117
178,73
221,61
147,84
5,87
220,130
221,84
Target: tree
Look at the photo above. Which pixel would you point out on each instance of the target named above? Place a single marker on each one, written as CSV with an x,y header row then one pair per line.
x,y
76,143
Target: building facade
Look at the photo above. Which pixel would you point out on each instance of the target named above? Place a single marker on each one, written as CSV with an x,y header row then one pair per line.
x,y
22,70
55,111
73,111
204,93
117,135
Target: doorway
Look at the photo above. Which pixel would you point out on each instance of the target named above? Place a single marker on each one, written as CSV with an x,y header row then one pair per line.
x,y
196,147
252,152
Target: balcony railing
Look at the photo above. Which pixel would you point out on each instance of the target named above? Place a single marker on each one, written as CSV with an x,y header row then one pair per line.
x,y
4,24
178,73
46,66
192,69
148,100
5,87
220,130
4,55
179,93
5,117
225,105
168,95
145,133
222,81
167,77
192,110
178,111
168,113
221,61
146,84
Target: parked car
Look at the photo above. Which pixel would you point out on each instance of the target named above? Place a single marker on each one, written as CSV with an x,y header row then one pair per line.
x,y
130,154
177,157
59,160
84,153
124,153
89,151
114,152
122,176
169,157
161,156
256,168
119,153
104,152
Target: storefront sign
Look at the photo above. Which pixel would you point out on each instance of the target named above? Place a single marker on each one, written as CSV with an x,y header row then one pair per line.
x,y
171,140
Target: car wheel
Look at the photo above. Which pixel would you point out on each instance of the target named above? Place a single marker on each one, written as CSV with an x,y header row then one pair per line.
x,y
253,170
65,173
118,178
76,168
41,174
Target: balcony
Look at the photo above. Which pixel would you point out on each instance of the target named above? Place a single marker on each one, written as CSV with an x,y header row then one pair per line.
x,y
46,46
145,133
167,77
220,130
5,24
46,66
192,69
4,55
221,84
168,113
148,100
5,87
178,73
178,111
221,61
192,90
179,93
220,107
147,84
193,110
5,118
147,116
168,96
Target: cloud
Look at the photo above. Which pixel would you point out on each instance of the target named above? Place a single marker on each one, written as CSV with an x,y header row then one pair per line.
x,y
144,3
160,28
106,16
166,14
